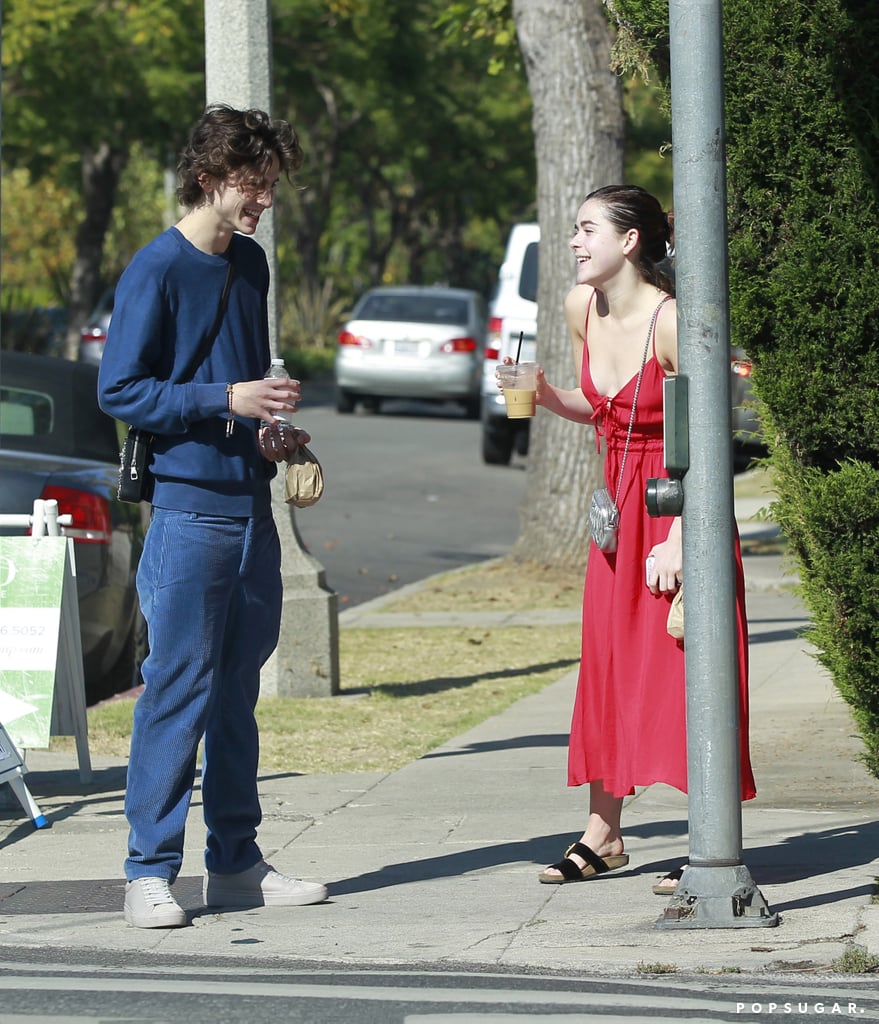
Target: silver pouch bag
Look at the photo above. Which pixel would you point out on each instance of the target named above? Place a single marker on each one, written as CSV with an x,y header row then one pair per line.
x,y
604,520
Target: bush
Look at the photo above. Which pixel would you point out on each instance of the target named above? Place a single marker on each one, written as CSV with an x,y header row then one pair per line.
x,y
311,316
803,218
832,522
802,88
309,363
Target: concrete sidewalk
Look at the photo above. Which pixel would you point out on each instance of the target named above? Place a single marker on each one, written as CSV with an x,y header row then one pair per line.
x,y
438,862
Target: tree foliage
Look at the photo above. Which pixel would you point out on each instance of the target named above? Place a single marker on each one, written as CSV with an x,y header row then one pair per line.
x,y
415,120
414,157
79,73
802,91
414,169
37,242
83,81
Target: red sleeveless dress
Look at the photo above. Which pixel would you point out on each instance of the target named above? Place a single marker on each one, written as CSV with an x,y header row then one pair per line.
x,y
629,720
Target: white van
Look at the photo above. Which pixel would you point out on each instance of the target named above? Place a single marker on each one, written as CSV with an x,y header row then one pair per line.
x,y
512,315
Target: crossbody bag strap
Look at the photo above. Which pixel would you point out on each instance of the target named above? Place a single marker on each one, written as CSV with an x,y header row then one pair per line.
x,y
616,499
205,346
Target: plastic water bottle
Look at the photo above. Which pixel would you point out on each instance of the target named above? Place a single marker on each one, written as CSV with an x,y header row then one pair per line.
x,y
277,369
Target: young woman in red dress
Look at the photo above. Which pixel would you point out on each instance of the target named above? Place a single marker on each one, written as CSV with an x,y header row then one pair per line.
x,y
629,720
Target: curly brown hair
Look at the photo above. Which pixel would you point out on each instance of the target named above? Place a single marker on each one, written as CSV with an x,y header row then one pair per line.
x,y
240,144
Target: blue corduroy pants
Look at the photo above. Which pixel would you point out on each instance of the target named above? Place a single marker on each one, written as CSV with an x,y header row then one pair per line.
x,y
210,591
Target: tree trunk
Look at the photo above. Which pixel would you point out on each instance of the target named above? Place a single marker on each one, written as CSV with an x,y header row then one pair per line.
x,y
578,130
101,170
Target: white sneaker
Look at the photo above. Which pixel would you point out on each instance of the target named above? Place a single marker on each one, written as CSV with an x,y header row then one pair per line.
x,y
260,886
149,904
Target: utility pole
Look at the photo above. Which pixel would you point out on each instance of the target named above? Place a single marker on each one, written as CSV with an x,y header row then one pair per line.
x,y
716,890
238,71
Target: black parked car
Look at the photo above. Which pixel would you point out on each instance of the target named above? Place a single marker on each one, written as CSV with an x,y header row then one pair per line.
x,y
55,442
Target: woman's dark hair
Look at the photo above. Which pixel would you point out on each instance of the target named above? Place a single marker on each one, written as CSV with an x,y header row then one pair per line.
x,y
629,206
241,143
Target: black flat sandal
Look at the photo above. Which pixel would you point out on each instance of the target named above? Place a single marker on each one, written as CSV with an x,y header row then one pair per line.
x,y
668,890
572,872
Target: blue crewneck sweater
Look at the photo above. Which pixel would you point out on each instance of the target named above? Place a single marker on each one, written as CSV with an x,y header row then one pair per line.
x,y
166,302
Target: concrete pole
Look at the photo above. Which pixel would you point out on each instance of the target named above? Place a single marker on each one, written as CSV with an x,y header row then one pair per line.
x,y
716,890
238,71
306,662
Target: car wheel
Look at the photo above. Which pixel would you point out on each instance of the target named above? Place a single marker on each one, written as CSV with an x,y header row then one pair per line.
x,y
473,408
344,401
497,449
522,440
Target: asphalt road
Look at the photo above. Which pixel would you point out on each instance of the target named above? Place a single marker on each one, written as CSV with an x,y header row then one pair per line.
x,y
37,988
407,496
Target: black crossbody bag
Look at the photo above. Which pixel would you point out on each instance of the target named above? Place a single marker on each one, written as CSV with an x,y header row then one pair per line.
x,y
135,480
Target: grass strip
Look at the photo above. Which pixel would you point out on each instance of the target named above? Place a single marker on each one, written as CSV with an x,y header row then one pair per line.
x,y
403,693
503,585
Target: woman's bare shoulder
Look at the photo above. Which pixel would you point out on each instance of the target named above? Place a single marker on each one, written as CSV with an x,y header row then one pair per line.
x,y
667,317
667,335
577,301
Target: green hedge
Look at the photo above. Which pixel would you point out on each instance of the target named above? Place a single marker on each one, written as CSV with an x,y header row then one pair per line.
x,y
802,122
832,522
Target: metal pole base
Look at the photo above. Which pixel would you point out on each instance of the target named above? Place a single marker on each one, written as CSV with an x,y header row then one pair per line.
x,y
717,897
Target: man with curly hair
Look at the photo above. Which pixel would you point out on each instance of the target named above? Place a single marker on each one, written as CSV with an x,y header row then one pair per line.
x,y
209,579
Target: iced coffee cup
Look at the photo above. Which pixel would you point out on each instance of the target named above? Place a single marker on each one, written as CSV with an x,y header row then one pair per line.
x,y
519,383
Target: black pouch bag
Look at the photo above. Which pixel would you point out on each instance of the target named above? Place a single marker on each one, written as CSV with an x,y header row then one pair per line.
x,y
135,481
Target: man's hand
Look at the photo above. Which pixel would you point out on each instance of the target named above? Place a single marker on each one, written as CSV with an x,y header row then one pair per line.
x,y
265,399
278,444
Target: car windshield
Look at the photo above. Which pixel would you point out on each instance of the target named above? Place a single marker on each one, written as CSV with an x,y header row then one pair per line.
x,y
422,309
528,277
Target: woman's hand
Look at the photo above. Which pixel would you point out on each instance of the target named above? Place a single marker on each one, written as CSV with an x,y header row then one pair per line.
x,y
665,562
540,378
542,387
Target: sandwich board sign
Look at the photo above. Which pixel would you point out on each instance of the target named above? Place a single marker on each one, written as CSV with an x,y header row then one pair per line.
x,y
12,770
42,686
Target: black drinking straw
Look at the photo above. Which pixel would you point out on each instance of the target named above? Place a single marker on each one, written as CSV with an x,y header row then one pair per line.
x,y
519,349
